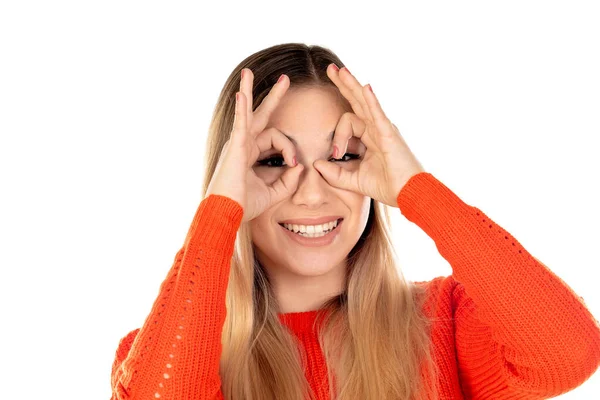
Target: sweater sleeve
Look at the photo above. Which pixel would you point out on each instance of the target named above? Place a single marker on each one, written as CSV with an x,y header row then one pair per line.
x,y
176,353
520,331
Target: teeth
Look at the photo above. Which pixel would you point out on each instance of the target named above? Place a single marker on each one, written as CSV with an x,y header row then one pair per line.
x,y
311,230
312,235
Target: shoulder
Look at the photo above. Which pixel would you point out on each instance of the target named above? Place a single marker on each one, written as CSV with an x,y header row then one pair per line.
x,y
125,344
442,295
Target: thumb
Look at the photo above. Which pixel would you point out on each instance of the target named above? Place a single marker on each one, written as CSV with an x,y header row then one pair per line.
x,y
287,184
334,174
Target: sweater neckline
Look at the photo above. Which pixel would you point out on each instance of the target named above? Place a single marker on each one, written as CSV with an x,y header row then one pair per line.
x,y
300,322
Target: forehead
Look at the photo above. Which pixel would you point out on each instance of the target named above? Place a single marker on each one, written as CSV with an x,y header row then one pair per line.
x,y
308,113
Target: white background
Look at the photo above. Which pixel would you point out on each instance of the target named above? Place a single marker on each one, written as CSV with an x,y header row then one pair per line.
x,y
104,108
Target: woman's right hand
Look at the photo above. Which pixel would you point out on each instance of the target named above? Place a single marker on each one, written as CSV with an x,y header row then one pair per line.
x,y
234,176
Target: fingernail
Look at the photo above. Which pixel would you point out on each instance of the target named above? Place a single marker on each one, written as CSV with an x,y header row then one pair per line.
x,y
370,88
242,73
294,161
335,67
348,70
335,151
280,78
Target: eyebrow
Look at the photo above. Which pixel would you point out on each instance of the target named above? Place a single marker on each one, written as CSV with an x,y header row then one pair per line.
x,y
329,138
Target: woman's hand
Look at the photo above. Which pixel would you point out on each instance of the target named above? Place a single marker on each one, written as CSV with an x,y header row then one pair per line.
x,y
387,164
234,176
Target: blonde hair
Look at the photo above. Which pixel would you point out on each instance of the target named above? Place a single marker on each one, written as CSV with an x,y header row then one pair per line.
x,y
374,337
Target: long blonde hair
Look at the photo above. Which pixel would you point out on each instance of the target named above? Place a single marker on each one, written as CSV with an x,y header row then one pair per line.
x,y
375,337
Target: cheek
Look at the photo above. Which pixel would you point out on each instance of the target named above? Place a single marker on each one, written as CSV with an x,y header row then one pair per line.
x,y
257,224
351,165
358,205
262,224
268,175
364,208
255,234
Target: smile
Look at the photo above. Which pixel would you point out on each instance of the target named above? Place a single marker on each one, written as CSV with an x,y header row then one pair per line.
x,y
314,239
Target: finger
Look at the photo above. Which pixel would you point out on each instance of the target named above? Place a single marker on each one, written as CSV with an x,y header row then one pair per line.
x,y
337,176
269,104
239,120
246,82
285,185
334,75
373,104
380,120
356,89
348,125
224,149
272,138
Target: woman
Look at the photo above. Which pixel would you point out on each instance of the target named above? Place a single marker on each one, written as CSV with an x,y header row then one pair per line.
x,y
286,285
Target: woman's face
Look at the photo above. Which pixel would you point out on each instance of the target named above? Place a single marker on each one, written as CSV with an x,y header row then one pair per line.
x,y
309,116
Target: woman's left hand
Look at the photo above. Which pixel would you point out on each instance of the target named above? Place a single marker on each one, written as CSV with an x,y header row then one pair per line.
x,y
387,164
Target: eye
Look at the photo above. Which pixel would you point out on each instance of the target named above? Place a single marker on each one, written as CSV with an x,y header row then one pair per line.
x,y
265,162
351,155
278,160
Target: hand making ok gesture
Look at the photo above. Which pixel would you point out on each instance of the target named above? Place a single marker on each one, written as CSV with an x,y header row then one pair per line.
x,y
387,164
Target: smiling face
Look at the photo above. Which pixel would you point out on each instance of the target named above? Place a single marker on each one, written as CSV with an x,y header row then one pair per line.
x,y
309,116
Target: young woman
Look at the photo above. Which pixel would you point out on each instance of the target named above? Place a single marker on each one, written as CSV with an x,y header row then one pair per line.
x,y
286,286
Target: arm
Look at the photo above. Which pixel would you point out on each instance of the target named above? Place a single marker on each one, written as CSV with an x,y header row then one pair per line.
x,y
176,353
520,331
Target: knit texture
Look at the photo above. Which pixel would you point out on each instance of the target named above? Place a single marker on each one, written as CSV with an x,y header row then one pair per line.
x,y
505,326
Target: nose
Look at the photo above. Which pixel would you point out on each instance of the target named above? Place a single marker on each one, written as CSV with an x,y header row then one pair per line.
x,y
312,189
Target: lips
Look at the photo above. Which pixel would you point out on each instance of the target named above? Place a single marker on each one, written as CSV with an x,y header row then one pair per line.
x,y
318,223
312,221
308,241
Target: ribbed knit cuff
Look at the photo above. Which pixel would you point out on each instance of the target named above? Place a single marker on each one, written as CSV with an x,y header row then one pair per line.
x,y
428,203
216,222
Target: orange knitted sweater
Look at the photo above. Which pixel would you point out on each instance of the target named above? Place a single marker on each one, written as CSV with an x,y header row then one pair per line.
x,y
506,326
